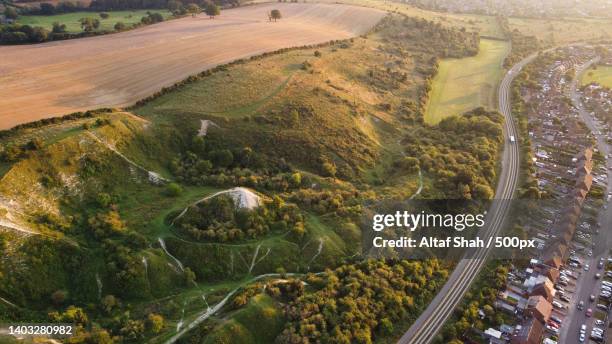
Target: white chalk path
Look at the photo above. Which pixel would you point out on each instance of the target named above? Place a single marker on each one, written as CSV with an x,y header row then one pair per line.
x,y
243,197
154,177
8,302
163,246
319,250
13,226
210,311
204,125
180,323
418,192
99,284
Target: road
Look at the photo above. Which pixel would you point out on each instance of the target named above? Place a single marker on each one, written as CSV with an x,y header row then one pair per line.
x,y
440,309
603,241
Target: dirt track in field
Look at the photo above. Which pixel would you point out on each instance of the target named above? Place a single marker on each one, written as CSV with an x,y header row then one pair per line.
x,y
51,79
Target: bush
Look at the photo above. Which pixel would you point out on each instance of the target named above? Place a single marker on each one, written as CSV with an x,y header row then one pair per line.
x,y
173,190
120,26
104,15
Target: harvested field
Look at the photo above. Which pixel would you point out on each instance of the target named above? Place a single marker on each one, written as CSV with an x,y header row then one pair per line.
x,y
46,80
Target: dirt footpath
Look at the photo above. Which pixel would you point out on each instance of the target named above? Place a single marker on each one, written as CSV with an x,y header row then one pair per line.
x,y
56,78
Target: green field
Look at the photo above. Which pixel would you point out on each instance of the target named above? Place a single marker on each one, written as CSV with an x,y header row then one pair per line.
x,y
601,75
71,20
463,84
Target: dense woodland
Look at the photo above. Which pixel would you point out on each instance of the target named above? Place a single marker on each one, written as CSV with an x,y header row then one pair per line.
x,y
461,152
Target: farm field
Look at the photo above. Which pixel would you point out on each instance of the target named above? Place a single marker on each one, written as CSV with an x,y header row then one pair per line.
x,y
601,75
561,31
71,20
463,84
45,80
486,25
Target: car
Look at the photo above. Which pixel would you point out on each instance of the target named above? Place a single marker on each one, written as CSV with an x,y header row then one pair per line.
x,y
592,297
586,267
565,298
602,306
557,305
597,276
581,338
588,312
555,319
583,328
599,322
598,330
580,305
600,265
553,324
552,329
563,283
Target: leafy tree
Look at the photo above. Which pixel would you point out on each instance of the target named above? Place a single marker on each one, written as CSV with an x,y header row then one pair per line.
x,y
190,277
173,189
193,9
39,34
108,303
11,13
155,323
58,297
212,10
58,28
133,330
89,24
275,14
329,169
120,26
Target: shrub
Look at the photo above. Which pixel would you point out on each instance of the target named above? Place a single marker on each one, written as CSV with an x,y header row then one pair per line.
x,y
120,26
173,190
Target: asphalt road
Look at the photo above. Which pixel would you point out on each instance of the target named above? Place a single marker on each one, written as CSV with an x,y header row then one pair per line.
x,y
588,285
440,309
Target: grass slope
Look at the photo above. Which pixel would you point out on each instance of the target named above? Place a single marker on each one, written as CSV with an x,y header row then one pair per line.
x,y
463,84
601,75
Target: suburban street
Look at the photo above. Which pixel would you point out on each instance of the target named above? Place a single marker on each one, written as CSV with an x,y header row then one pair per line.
x,y
587,284
440,309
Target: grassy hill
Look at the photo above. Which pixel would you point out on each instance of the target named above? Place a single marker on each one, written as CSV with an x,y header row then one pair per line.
x,y
320,134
